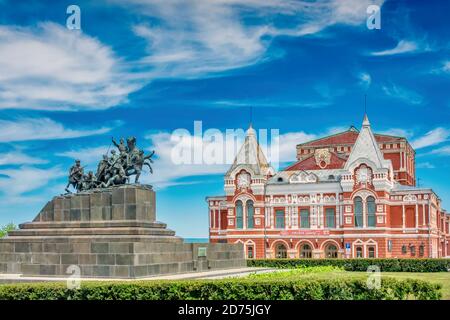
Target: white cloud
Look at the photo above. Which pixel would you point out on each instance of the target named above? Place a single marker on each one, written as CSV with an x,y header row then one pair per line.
x,y
19,158
41,129
288,143
443,151
425,165
431,138
447,66
87,156
196,38
403,46
397,132
365,79
52,68
403,94
15,182
167,173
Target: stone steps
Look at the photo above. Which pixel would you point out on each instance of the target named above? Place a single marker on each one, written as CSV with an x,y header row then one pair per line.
x,y
92,224
91,231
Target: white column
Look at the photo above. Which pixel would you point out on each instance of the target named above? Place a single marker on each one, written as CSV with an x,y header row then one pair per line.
x,y
417,215
423,214
338,212
403,216
272,222
364,207
244,215
220,220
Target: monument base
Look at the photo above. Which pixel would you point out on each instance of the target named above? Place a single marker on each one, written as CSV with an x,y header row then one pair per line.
x,y
109,233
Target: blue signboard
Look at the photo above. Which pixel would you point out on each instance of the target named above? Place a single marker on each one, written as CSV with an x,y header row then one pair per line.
x,y
347,245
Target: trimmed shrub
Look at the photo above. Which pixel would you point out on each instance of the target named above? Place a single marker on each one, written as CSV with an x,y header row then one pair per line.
x,y
230,289
386,265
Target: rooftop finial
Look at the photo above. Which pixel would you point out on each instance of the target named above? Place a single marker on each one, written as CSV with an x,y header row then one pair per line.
x,y
365,104
366,122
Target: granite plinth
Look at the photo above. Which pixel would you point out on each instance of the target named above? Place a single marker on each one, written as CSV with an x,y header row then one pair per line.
x,y
108,233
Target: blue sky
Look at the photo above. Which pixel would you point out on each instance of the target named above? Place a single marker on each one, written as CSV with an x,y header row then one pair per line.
x,y
149,67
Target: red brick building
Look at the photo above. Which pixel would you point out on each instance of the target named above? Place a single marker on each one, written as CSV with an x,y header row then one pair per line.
x,y
349,195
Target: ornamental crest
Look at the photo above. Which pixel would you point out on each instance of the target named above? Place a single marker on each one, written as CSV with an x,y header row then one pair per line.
x,y
323,157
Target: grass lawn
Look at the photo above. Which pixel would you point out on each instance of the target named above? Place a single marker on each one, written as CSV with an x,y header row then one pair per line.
x,y
434,277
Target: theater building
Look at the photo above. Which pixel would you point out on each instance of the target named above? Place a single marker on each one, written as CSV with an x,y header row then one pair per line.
x,y
349,195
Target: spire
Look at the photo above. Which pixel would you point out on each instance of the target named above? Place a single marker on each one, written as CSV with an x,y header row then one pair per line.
x,y
251,131
250,154
366,147
366,122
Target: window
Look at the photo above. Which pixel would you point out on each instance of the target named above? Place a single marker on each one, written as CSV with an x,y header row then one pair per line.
x,y
371,252
331,251
250,213
358,208
404,249
279,219
239,215
281,252
421,250
359,252
304,218
250,252
305,251
413,250
330,218
371,212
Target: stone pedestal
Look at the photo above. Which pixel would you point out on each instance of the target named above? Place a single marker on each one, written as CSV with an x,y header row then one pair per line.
x,y
108,233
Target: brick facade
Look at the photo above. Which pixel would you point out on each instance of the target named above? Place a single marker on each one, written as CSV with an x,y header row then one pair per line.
x,y
349,195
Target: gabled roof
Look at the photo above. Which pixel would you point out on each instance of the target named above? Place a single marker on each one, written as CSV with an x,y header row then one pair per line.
x,y
252,156
347,137
367,147
336,162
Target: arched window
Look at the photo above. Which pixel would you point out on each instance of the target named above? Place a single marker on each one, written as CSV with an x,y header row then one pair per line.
x,y
371,252
250,212
239,215
359,252
371,212
250,253
331,251
281,251
358,208
305,251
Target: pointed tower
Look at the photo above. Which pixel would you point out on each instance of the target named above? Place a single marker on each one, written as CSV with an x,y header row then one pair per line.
x,y
366,148
250,168
366,165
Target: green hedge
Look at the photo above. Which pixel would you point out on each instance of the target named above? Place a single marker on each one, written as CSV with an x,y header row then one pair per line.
x,y
386,265
231,289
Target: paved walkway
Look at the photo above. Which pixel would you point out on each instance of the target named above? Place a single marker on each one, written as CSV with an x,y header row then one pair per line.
x,y
214,274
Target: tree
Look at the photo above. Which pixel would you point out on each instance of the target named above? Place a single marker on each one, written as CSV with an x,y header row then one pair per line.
x,y
6,228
